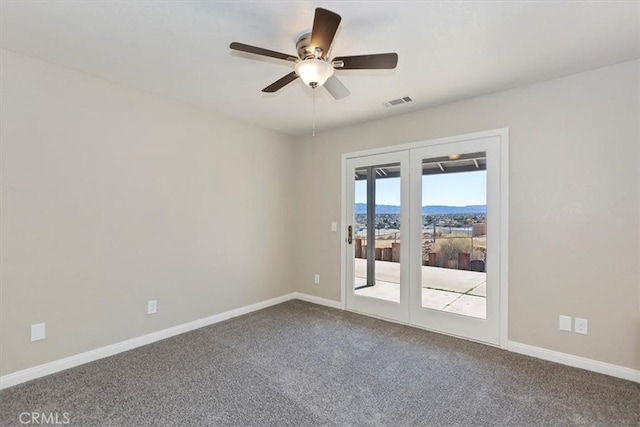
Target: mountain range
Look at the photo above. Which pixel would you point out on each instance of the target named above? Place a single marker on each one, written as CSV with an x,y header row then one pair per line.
x,y
361,208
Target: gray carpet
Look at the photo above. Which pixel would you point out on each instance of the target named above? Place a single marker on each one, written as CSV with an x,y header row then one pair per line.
x,y
299,364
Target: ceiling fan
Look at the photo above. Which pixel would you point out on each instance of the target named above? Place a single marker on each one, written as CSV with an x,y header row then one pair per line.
x,y
313,64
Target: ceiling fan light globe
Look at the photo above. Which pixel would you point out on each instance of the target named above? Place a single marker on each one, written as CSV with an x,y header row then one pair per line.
x,y
314,72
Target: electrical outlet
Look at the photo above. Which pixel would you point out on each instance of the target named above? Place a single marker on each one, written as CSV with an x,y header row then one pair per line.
x,y
565,323
316,279
38,331
581,326
152,306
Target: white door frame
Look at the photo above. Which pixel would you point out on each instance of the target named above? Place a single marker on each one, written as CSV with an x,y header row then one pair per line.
x,y
484,330
396,311
503,135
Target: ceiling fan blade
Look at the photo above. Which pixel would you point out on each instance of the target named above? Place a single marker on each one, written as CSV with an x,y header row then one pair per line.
x,y
380,61
335,87
279,84
325,25
260,51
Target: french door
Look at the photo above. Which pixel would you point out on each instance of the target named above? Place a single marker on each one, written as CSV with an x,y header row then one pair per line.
x,y
425,236
378,209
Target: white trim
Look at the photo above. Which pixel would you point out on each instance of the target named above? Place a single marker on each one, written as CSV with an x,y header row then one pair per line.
x,y
109,350
423,328
343,235
502,132
317,300
575,361
504,237
484,330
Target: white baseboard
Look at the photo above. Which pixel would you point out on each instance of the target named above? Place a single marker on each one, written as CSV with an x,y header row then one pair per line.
x,y
102,352
575,361
317,300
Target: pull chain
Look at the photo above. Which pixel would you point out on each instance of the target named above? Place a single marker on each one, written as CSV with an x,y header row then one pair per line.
x,y
313,132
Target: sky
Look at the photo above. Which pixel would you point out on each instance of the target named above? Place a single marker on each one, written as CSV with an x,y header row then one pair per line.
x,y
453,189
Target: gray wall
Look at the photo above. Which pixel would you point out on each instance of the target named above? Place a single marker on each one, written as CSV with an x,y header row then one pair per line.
x,y
574,189
112,197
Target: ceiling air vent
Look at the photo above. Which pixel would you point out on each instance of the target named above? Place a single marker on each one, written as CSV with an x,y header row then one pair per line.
x,y
398,101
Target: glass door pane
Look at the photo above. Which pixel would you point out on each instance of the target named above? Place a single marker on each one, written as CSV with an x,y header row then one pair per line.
x,y
454,234
377,236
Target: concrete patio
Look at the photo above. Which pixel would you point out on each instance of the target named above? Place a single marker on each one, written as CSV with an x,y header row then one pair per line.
x,y
456,291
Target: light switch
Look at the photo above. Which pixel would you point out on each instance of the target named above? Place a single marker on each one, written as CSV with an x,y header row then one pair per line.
x,y
334,226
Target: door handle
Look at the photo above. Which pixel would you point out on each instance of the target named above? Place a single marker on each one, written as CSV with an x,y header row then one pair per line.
x,y
349,234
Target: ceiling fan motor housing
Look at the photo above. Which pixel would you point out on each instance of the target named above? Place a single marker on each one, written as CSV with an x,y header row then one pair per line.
x,y
304,47
313,68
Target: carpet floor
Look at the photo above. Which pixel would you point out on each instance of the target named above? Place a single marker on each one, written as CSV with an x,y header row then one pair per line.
x,y
300,364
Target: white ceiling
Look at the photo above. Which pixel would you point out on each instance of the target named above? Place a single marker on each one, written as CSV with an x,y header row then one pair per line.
x,y
447,50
